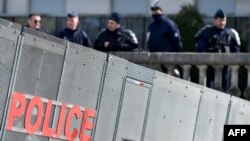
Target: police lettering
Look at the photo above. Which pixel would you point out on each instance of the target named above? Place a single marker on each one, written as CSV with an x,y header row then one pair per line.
x,y
36,102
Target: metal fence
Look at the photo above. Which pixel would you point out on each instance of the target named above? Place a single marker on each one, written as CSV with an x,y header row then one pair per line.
x,y
132,102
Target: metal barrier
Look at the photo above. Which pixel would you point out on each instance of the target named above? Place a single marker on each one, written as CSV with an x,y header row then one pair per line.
x,y
10,41
43,79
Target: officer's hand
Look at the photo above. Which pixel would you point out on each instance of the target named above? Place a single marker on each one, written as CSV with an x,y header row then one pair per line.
x,y
106,44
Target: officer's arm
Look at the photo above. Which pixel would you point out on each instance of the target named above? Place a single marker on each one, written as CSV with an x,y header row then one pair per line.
x,y
99,42
130,41
201,42
175,38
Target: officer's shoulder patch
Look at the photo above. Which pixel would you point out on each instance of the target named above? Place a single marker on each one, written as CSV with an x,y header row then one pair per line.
x,y
204,28
235,34
127,31
131,34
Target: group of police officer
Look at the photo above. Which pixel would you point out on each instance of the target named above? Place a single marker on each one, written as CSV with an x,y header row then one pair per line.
x,y
163,36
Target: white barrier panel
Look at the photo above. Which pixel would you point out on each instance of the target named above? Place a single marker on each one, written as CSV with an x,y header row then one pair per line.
x,y
212,115
173,109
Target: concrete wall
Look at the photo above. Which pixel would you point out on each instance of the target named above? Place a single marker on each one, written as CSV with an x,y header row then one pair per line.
x,y
17,7
1,6
242,8
139,7
86,7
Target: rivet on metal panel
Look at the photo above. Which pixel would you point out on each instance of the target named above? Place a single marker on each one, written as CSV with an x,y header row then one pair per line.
x,y
38,78
84,64
15,32
217,96
169,91
79,88
185,95
164,116
35,38
180,120
171,82
186,87
14,44
210,120
94,57
112,90
77,52
53,45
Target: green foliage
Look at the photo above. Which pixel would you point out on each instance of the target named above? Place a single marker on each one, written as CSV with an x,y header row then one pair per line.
x,y
189,21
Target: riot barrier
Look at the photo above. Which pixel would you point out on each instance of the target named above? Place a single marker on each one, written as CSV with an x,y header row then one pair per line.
x,y
53,90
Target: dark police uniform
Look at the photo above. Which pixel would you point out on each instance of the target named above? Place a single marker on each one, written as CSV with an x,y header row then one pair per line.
x,y
76,36
119,40
211,39
164,36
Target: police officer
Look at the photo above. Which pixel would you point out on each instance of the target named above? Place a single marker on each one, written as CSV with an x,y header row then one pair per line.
x,y
217,38
163,34
114,37
34,22
73,32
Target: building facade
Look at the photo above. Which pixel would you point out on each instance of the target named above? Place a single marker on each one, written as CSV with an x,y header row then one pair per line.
x,y
126,7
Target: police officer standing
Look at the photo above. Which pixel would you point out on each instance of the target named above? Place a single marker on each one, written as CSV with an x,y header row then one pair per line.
x,y
114,37
216,38
163,35
73,32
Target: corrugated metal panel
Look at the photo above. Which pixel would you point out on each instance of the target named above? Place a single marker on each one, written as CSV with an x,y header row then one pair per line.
x,y
173,109
140,73
40,67
8,47
239,111
133,110
12,26
82,74
113,87
212,115
38,34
